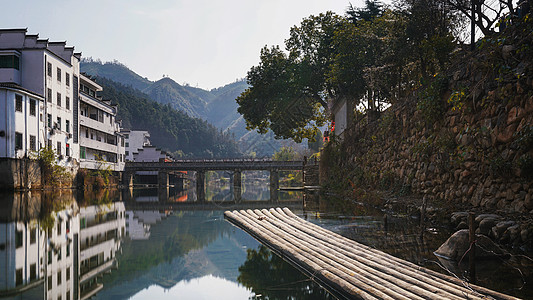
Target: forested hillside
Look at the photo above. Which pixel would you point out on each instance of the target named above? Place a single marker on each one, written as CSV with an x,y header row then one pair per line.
x,y
169,128
217,106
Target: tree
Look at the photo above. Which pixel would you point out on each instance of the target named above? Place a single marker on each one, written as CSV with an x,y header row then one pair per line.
x,y
487,13
288,91
286,154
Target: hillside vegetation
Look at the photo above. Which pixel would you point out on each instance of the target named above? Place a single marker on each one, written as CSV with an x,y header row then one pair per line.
x,y
217,106
169,128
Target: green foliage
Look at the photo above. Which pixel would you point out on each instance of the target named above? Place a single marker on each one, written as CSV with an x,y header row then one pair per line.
x,y
286,154
457,99
53,174
430,102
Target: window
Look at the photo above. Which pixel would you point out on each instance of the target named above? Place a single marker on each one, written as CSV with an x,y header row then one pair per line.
x,y
9,62
58,277
33,235
58,148
68,274
58,99
68,295
49,95
87,133
67,79
18,277
67,149
49,120
67,126
33,272
68,254
18,103
59,254
67,102
59,74
33,143
58,123
50,282
49,69
82,155
33,107
59,228
18,239
18,141
49,256
127,144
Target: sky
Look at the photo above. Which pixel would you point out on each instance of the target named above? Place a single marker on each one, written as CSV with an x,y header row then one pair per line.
x,y
204,43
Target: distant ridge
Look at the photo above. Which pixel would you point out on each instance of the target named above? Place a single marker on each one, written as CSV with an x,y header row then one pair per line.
x,y
217,106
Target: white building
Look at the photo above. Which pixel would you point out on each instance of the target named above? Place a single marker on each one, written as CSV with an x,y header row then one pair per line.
x,y
134,141
150,154
101,143
45,101
38,88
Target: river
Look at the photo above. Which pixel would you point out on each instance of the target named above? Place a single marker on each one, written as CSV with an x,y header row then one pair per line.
x,y
134,245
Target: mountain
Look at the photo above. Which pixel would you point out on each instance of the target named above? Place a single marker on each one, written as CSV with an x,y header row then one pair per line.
x,y
192,101
170,129
114,71
217,106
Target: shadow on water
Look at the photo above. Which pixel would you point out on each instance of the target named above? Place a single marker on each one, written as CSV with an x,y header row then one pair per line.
x,y
114,244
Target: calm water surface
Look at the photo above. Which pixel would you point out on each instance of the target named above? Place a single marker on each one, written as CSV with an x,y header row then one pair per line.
x,y
136,245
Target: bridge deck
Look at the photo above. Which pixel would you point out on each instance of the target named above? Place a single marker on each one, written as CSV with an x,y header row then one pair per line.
x,y
346,268
216,164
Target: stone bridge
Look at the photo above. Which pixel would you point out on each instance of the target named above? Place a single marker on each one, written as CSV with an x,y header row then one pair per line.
x,y
234,165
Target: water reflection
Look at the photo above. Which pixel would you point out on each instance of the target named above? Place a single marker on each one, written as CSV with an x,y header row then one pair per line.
x,y
128,244
48,240
268,275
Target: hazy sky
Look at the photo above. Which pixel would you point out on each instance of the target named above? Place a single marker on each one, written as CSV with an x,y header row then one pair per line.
x,y
205,43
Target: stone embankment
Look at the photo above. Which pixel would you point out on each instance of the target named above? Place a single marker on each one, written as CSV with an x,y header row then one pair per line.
x,y
464,141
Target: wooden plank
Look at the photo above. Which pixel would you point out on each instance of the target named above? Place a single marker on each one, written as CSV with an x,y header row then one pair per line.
x,y
346,268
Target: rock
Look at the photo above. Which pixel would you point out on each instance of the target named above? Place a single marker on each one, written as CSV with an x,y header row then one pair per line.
x,y
458,217
507,51
456,246
485,226
506,135
461,225
515,114
524,235
516,187
500,228
484,216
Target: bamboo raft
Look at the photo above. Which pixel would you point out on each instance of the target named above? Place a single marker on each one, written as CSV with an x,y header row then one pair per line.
x,y
347,269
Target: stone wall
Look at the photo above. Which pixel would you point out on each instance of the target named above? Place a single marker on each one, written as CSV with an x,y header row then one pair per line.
x,y
19,174
463,139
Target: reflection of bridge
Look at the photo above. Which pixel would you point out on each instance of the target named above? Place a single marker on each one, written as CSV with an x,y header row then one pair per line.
x,y
234,165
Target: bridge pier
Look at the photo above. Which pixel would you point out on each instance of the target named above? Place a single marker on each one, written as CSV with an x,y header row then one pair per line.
x,y
162,186
127,178
274,184
237,185
200,185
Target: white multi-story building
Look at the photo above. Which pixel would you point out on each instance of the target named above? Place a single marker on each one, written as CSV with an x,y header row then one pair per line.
x,y
38,88
45,101
135,140
101,143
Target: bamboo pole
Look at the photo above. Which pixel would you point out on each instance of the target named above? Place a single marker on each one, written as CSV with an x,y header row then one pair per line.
x,y
430,273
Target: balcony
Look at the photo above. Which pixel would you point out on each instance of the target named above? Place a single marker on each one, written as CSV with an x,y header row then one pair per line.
x,y
97,125
98,145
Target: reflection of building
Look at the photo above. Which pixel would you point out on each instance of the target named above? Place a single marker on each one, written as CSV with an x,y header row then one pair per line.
x,y
101,144
33,251
19,241
68,251
101,228
138,223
